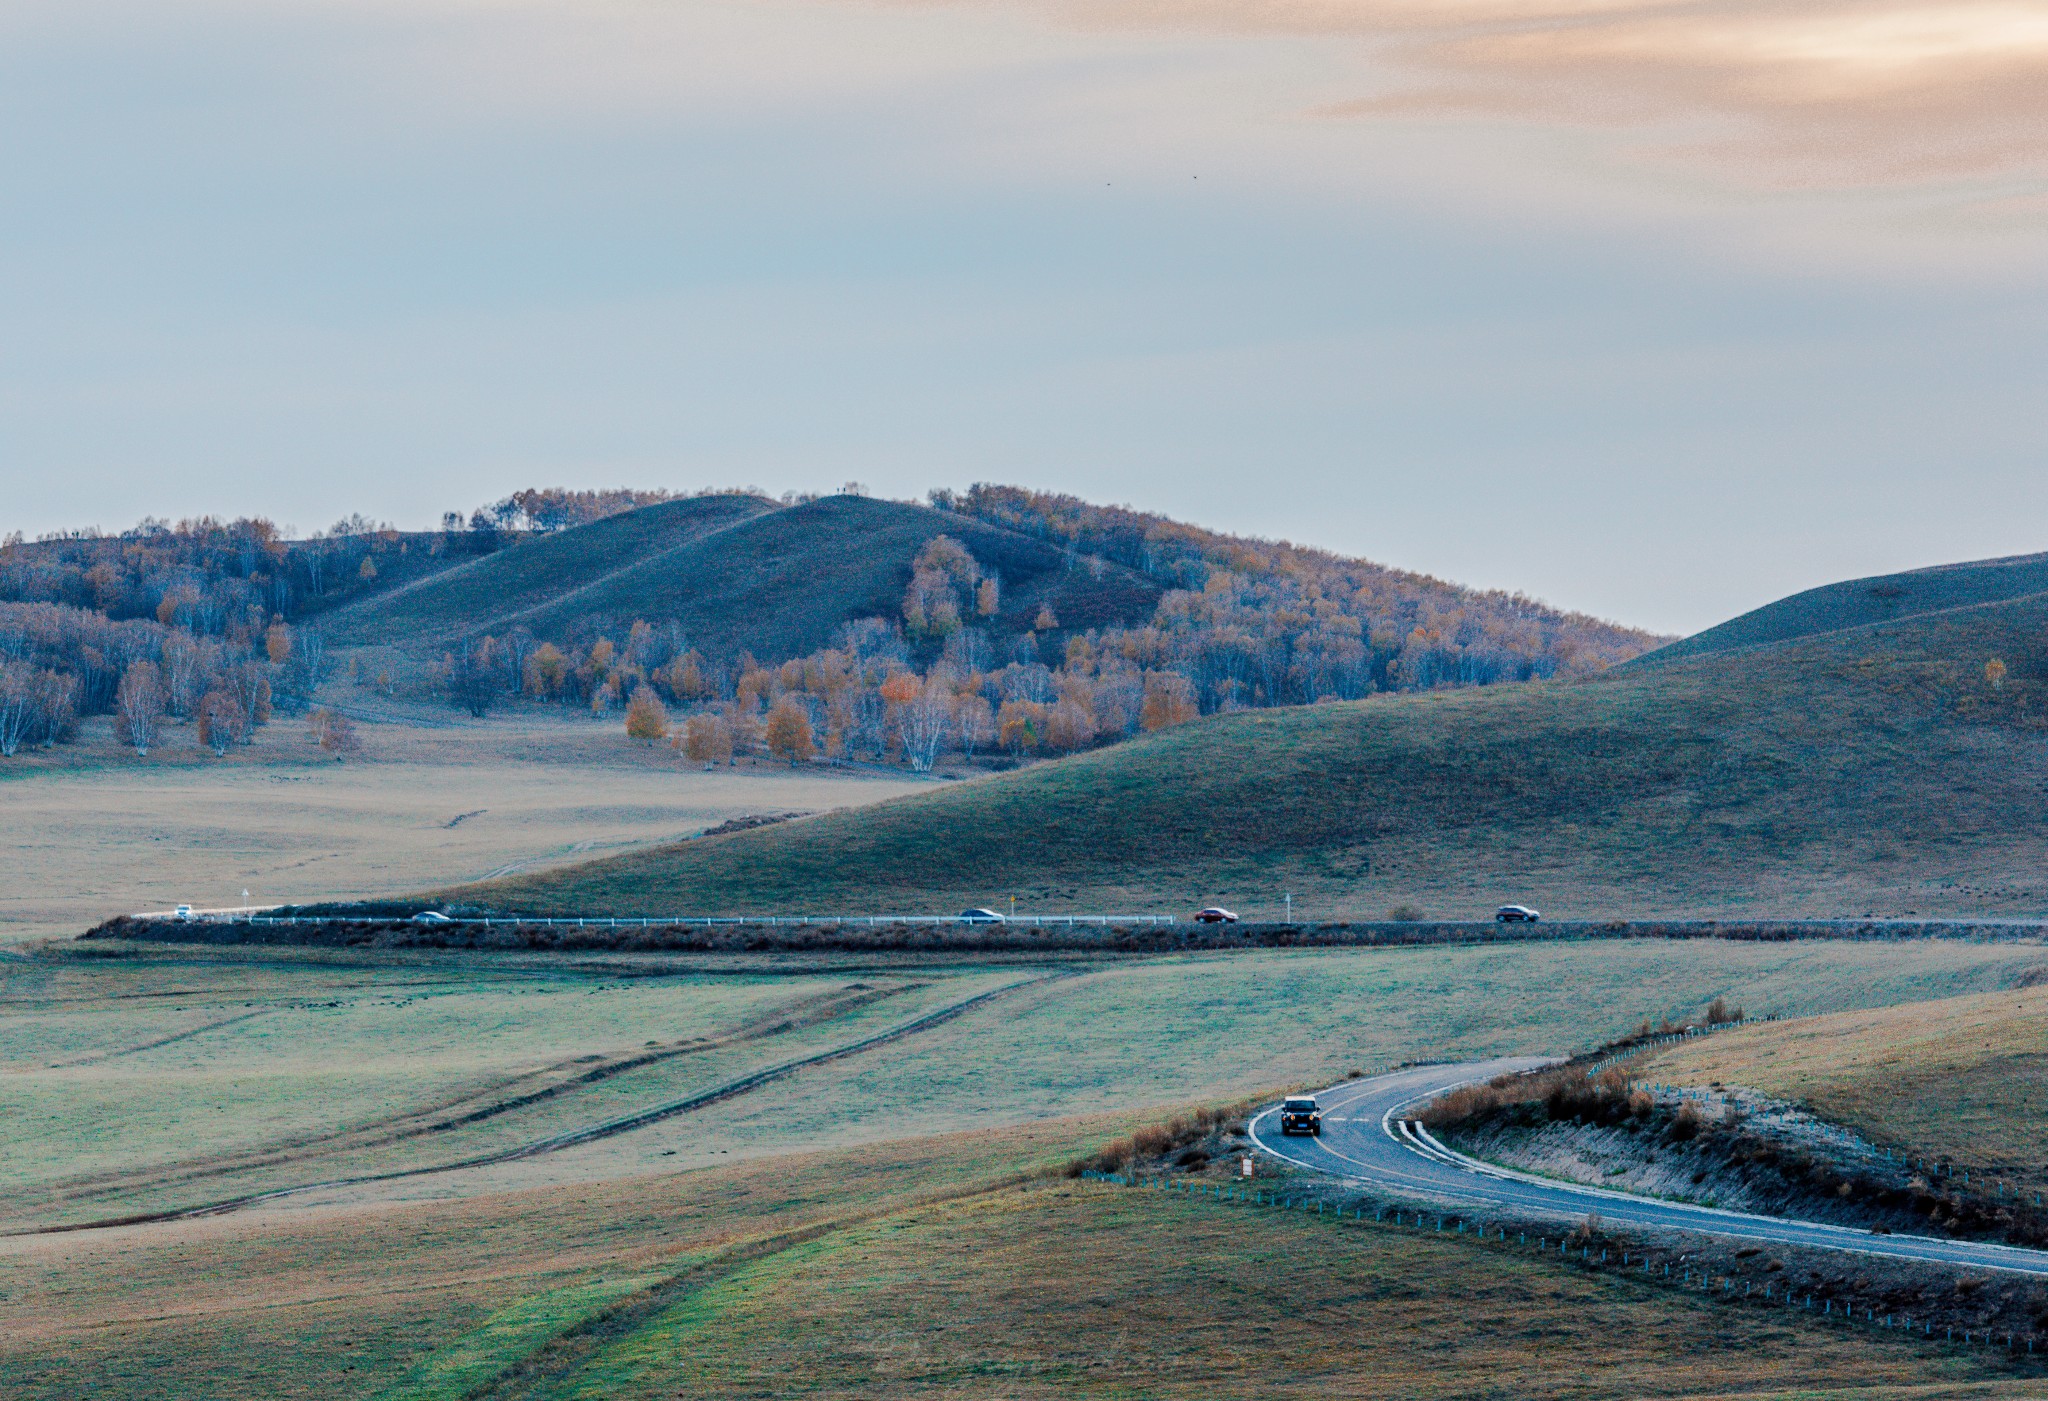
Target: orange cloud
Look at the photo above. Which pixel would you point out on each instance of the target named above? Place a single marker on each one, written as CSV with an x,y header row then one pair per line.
x,y
1828,92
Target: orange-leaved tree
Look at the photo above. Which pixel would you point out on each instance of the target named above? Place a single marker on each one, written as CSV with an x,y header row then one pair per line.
x,y
1020,726
1169,700
221,720
705,740
789,732
646,717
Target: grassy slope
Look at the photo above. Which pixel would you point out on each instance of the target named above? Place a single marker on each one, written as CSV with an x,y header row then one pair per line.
x,y
1881,598
815,1275
1964,1077
1871,771
738,573
1088,1291
297,1063
483,594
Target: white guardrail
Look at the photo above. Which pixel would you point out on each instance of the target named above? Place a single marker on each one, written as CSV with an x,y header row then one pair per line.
x,y
647,922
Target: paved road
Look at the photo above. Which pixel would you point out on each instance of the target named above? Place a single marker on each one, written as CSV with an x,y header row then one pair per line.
x,y
1365,1141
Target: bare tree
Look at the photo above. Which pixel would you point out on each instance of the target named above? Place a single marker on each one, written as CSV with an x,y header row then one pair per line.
x,y
183,660
56,708
925,724
17,705
249,686
139,706
311,659
474,678
976,721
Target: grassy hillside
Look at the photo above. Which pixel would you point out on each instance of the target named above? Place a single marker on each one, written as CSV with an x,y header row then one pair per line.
x,y
1869,771
1881,598
481,595
780,584
737,572
1964,1078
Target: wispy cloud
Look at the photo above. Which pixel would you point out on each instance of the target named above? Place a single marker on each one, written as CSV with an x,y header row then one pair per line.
x,y
1843,93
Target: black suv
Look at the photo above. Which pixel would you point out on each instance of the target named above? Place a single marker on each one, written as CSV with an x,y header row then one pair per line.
x,y
1301,1116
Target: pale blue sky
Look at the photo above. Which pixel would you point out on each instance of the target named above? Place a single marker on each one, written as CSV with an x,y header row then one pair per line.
x,y
311,258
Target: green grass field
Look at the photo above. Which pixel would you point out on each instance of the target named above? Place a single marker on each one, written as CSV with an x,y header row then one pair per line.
x,y
1871,772
790,1240
329,1067
919,1268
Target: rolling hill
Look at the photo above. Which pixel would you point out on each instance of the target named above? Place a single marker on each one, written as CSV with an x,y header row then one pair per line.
x,y
1868,770
736,572
1880,598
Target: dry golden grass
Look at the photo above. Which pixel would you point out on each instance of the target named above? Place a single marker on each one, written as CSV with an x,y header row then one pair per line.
x,y
327,1303
1097,1291
94,831
912,1269
1966,1076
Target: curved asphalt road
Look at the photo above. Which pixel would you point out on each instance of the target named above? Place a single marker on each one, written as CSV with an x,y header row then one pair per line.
x,y
1367,1141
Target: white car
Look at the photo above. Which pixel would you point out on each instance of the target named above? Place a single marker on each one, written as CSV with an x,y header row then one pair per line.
x,y
183,914
431,917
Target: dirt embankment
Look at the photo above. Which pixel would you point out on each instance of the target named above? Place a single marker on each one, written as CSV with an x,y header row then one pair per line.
x,y
1719,1147
512,932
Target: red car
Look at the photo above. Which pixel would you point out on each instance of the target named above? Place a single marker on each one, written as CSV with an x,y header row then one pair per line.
x,y
1215,914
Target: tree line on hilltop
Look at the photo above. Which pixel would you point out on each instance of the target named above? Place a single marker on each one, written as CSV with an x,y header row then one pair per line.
x,y
1241,624
217,623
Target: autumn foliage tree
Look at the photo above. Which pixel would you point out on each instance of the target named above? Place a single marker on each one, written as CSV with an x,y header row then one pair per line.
x,y
220,720
706,740
789,733
646,717
334,733
1169,700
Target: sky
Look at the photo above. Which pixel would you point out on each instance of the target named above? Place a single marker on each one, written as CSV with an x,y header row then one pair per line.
x,y
1656,309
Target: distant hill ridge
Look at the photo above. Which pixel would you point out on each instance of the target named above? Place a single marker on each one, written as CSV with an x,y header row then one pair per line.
x,y
1880,598
737,573
1244,621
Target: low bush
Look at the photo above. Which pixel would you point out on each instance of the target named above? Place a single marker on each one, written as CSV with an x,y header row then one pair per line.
x,y
1155,1141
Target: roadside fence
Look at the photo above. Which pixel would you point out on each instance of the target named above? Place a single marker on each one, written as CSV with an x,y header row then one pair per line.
x,y
663,921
